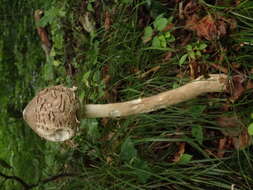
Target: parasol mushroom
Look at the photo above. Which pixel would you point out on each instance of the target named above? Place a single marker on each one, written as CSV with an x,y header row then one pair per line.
x,y
52,113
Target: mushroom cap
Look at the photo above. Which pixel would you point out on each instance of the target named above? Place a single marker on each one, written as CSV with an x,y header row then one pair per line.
x,y
52,113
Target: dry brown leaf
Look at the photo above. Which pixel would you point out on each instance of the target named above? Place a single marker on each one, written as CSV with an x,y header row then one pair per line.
x,y
108,21
210,27
190,8
104,121
167,56
222,147
237,2
179,153
192,22
152,70
106,79
206,28
249,85
226,106
238,89
236,134
109,160
221,28
42,32
146,40
243,141
168,27
231,126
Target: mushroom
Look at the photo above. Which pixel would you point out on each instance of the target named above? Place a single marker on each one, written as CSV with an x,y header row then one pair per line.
x,y
52,113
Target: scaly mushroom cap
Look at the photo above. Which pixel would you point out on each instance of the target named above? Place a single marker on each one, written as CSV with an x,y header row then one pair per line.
x,y
52,113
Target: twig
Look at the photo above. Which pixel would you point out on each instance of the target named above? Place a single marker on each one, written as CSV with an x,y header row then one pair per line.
x,y
18,179
53,178
44,181
43,35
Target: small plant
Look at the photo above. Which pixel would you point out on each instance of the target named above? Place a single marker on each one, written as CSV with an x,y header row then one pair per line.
x,y
250,128
193,52
158,34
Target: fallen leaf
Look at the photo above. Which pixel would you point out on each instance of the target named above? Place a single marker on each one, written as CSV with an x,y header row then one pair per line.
x,y
168,27
210,27
238,88
230,126
42,32
236,134
206,28
88,22
109,160
179,153
221,28
243,141
106,79
221,148
249,85
190,8
152,70
237,2
226,106
167,56
192,22
104,121
148,34
108,21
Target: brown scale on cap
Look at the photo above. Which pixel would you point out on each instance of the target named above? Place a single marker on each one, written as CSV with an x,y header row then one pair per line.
x,y
52,113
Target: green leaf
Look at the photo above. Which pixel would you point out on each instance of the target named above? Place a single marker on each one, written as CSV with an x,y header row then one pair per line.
x,y
141,166
56,63
197,110
48,72
185,159
167,35
202,46
85,78
128,150
188,47
182,59
126,1
4,164
160,23
251,115
90,7
156,42
198,53
197,133
49,17
171,39
250,129
192,55
163,42
148,32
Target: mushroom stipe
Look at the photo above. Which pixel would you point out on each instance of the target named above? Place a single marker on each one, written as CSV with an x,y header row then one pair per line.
x,y
52,113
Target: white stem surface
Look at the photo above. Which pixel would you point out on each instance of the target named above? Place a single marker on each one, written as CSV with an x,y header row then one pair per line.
x,y
215,83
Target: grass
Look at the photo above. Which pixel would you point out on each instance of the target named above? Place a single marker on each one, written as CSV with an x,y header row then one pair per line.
x,y
137,152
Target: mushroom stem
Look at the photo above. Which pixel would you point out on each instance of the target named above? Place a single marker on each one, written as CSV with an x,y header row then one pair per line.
x,y
215,83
